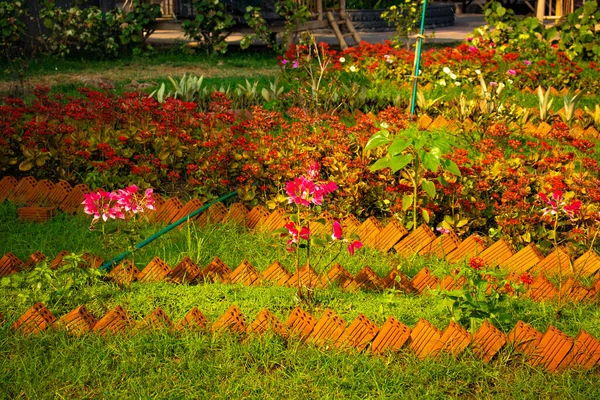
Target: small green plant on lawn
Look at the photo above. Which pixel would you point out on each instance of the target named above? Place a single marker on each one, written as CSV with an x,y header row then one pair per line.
x,y
482,295
412,153
47,285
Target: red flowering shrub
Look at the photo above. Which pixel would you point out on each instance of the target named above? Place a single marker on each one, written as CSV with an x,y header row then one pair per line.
x,y
111,141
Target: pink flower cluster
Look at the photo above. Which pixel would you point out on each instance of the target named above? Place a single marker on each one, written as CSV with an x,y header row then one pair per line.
x,y
337,235
114,205
296,235
557,204
305,190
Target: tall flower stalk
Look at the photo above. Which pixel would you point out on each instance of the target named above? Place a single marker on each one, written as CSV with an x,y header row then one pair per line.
x,y
304,192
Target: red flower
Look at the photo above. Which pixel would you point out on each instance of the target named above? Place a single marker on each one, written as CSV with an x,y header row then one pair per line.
x,y
526,278
477,263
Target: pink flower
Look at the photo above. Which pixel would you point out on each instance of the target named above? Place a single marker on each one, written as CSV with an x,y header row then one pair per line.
x,y
572,209
305,190
512,72
492,83
473,49
353,246
337,231
296,235
295,64
149,198
527,62
102,205
442,230
553,202
300,191
337,235
557,204
313,170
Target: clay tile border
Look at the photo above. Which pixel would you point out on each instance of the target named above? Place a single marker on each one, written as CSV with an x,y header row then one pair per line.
x,y
415,241
497,253
157,319
337,275
155,271
358,334
524,338
7,186
267,322
552,349
114,322
442,246
390,235
256,217
78,321
556,261
391,337
215,271
237,213
245,274
124,273
194,319
328,329
185,271
35,320
9,264
368,231
469,247
276,273
487,341
232,320
300,323
424,338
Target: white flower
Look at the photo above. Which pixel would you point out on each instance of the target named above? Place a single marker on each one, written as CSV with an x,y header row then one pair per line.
x,y
478,72
442,82
510,82
447,70
453,76
384,125
353,69
457,83
342,59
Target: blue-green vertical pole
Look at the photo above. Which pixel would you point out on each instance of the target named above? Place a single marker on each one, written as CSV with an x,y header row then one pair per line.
x,y
417,60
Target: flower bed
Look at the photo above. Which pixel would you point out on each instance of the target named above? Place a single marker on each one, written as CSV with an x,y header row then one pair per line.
x,y
111,141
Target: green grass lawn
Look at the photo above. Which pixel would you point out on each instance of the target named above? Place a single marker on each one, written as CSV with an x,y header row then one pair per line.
x,y
165,364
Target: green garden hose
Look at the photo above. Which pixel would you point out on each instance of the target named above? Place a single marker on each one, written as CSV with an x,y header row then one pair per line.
x,y
107,266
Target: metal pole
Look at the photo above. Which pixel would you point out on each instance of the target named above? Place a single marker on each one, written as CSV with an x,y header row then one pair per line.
x,y
109,264
417,60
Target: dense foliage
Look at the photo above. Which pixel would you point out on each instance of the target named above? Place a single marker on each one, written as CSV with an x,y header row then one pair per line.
x,y
111,141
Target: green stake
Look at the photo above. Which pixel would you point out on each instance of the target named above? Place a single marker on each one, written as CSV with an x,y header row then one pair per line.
x,y
417,60
109,264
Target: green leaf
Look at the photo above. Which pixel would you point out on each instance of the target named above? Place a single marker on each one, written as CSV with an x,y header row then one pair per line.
x,y
380,164
398,162
425,215
407,201
429,188
431,159
377,140
398,146
451,167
